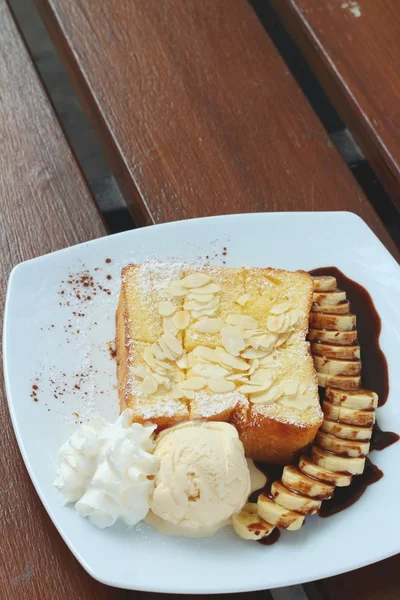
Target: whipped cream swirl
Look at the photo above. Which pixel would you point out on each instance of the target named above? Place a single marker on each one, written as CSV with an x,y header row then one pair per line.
x,y
108,471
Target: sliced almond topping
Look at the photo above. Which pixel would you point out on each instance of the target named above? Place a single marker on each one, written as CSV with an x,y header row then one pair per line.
x,y
173,343
177,290
219,385
202,298
302,389
209,312
290,388
162,380
267,360
162,366
232,361
166,349
294,316
238,378
195,280
194,383
253,353
195,305
209,370
148,386
254,364
243,299
282,339
275,322
286,323
176,375
299,402
243,321
206,353
166,309
174,393
189,394
169,325
208,325
266,341
268,396
282,307
181,319
261,377
247,388
232,340
182,361
252,333
149,358
209,288
157,352
253,342
139,371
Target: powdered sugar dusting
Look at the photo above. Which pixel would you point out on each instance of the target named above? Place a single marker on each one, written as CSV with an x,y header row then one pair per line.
x,y
208,405
156,276
161,407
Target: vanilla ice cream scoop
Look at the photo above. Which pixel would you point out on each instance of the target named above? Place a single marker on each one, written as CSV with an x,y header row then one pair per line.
x,y
203,478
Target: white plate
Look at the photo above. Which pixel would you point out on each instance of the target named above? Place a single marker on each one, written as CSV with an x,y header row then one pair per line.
x,y
39,343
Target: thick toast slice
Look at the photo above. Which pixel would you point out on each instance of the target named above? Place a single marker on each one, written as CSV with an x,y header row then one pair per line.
x,y
217,343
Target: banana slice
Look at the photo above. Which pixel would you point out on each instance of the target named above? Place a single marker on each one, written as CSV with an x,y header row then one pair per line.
x,y
249,525
328,298
295,480
318,472
332,322
340,382
324,283
331,366
359,400
347,432
334,309
349,416
293,501
336,352
351,466
278,515
343,338
351,448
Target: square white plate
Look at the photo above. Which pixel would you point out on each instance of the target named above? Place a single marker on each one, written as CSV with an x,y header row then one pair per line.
x,y
42,346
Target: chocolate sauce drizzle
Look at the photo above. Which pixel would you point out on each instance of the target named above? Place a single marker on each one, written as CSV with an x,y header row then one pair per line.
x,y
347,496
272,538
382,439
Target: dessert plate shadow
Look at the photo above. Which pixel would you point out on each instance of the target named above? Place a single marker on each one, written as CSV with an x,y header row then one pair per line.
x,y
59,371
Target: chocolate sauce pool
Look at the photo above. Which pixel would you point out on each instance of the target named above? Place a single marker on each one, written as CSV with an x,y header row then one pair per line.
x,y
374,377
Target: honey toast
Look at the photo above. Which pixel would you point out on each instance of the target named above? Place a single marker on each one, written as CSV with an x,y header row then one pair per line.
x,y
218,343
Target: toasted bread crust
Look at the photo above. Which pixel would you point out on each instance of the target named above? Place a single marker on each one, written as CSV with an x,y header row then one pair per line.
x,y
272,440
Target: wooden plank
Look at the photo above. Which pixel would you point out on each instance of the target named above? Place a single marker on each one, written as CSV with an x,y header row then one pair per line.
x,y
44,205
376,582
197,111
353,48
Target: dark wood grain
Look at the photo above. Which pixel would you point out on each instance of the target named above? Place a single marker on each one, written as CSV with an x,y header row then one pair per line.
x,y
356,56
44,205
380,581
197,111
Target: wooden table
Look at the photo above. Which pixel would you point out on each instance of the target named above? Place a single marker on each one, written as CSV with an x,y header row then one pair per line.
x,y
198,115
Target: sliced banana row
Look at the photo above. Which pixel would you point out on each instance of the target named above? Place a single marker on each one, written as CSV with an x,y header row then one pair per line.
x,y
342,443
